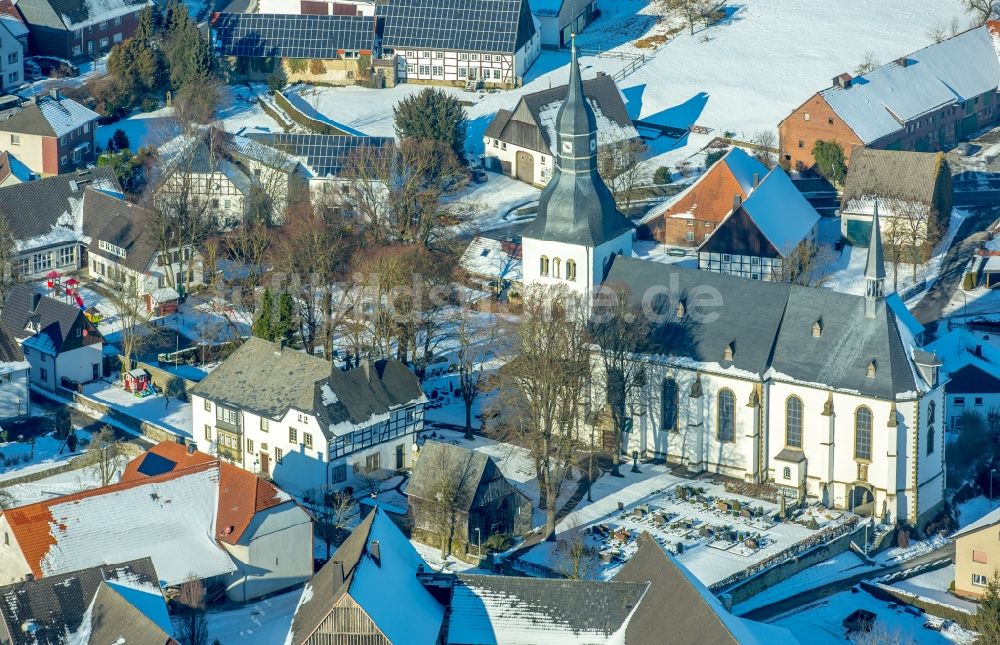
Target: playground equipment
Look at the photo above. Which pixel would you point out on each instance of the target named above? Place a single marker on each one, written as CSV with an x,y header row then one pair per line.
x,y
138,382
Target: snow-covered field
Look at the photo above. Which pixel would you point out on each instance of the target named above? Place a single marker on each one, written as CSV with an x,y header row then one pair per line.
x,y
933,586
820,623
47,453
170,414
652,502
265,621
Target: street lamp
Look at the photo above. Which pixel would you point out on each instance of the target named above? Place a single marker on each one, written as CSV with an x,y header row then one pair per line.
x,y
993,472
479,542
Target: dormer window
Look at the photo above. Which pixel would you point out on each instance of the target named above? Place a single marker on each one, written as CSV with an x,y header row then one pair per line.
x,y
817,329
681,310
871,369
727,353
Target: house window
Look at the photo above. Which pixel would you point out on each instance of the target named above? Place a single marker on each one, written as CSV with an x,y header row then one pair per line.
x,y
690,236
307,439
11,58
980,557
805,117
829,120
41,261
668,405
931,408
437,70
410,69
117,38
438,54
44,374
250,446
425,70
978,401
118,20
543,266
265,425
726,257
90,46
463,72
103,25
15,139
930,440
496,75
208,432
293,435
463,56
863,434
372,462
787,473
571,270
12,77
339,473
67,256
208,405
279,455
104,42
979,580
802,144
959,400
793,422
726,411
76,50
226,414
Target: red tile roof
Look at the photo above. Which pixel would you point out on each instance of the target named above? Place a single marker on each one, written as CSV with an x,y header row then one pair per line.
x,y
31,524
242,494
711,198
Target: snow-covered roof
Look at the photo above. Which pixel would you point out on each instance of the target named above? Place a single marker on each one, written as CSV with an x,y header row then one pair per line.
x,y
879,103
903,315
609,131
961,347
991,518
169,515
65,115
780,210
492,258
14,26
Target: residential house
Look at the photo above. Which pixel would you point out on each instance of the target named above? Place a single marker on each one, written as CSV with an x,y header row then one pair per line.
x,y
369,592
45,217
12,171
559,20
972,363
191,516
108,603
12,35
79,30
913,191
228,177
977,555
690,219
51,134
492,265
60,344
124,250
318,7
485,504
927,100
770,235
826,394
264,531
521,142
302,421
346,601
481,41
15,371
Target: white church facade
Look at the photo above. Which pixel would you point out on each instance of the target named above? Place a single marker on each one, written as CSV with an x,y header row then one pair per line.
x,y
824,394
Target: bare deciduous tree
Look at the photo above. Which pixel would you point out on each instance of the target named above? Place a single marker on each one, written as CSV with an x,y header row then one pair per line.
x,y
332,512
451,488
371,480
982,10
545,384
126,294
9,274
867,64
192,623
107,455
475,344
692,12
622,167
766,143
575,559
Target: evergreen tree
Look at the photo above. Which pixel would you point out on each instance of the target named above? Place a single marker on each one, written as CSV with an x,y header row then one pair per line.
x,y
149,25
432,114
987,621
829,156
264,325
118,141
286,316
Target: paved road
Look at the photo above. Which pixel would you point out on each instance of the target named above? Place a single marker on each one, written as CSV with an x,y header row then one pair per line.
x,y
818,593
970,233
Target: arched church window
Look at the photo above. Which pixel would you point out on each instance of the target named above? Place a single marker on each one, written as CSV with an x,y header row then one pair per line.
x,y
793,422
543,266
930,439
668,404
555,268
726,415
930,412
571,270
863,434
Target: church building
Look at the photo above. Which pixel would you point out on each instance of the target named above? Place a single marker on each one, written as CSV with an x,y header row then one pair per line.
x,y
824,394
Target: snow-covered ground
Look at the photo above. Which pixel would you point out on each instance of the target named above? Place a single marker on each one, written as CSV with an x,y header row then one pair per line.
x,y
820,623
168,413
933,586
836,568
142,128
48,452
66,483
264,621
896,555
972,509
652,503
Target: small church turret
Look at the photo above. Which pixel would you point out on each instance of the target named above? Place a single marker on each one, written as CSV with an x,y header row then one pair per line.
x,y
874,267
578,230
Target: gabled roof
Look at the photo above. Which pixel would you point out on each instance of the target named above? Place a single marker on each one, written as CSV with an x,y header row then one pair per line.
x,y
49,210
74,14
890,175
10,351
480,479
499,26
492,259
60,606
769,326
111,219
54,320
242,494
12,166
678,604
531,124
880,103
990,519
173,513
385,586
291,36
972,362
49,116
324,154
711,197
773,219
525,611
359,396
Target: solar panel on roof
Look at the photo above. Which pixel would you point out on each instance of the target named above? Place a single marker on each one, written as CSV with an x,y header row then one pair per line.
x,y
324,153
291,36
474,25
154,464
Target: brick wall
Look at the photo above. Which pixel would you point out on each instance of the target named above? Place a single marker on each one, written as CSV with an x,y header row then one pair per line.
x,y
812,121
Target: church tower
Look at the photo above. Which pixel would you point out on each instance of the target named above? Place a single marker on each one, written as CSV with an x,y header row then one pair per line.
x,y
579,230
874,267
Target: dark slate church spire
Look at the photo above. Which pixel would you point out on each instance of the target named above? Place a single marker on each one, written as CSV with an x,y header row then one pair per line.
x,y
875,266
576,207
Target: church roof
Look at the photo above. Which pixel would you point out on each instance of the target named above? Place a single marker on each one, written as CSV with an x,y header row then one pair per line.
x,y
576,206
769,328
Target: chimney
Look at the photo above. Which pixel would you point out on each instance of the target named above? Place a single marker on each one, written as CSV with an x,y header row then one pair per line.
x,y
737,202
756,179
979,351
28,577
376,552
843,81
54,94
338,573
36,298
279,344
191,448
903,62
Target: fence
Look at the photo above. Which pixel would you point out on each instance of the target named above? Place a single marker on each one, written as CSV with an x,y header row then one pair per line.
x,y
635,61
